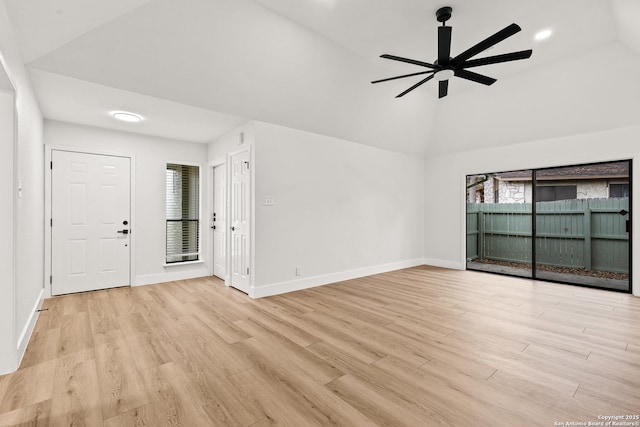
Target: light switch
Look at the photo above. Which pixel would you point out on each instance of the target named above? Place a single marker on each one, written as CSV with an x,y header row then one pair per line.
x,y
267,201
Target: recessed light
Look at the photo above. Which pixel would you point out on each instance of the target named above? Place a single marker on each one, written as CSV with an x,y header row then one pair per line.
x,y
126,117
541,35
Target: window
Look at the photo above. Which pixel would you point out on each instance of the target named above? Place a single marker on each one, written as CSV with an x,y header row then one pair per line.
x,y
552,193
618,190
183,213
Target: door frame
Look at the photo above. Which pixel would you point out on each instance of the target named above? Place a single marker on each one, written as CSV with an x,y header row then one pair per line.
x,y
226,160
211,165
48,266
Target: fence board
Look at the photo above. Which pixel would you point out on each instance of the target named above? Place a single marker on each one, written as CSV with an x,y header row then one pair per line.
x,y
582,233
473,210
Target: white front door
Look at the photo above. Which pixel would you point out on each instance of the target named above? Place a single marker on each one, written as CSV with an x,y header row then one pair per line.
x,y
90,213
240,221
220,221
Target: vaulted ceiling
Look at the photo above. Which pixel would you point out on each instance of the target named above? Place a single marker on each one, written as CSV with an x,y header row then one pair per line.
x,y
198,68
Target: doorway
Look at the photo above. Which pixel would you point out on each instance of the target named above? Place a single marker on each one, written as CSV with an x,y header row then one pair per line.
x,y
568,224
90,221
219,221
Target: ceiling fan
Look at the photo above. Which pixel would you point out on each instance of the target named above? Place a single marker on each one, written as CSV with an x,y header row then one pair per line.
x,y
446,67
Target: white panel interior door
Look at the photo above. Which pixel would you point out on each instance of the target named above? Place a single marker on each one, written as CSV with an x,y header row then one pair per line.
x,y
90,212
220,221
240,221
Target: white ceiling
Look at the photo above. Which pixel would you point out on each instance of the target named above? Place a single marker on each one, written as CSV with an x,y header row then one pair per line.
x,y
62,98
44,26
570,96
408,27
212,64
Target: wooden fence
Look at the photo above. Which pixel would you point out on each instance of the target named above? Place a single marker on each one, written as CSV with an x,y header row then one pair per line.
x,y
588,233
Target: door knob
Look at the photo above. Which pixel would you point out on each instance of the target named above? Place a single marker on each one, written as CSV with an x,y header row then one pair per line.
x,y
233,229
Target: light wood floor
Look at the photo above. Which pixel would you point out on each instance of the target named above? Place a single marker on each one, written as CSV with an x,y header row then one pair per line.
x,y
416,347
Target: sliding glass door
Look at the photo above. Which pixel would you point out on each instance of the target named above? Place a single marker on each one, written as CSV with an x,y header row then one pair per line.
x,y
581,215
499,234
567,224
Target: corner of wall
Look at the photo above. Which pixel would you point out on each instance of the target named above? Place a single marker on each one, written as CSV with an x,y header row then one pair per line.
x,y
444,263
238,139
28,208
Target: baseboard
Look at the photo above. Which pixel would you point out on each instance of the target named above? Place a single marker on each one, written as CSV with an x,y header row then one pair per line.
x,y
434,262
25,336
171,276
311,282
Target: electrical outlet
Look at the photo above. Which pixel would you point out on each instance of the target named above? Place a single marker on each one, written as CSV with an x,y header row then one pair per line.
x,y
298,271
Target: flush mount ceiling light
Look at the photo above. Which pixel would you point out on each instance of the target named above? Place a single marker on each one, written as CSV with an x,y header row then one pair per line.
x,y
126,117
444,74
541,35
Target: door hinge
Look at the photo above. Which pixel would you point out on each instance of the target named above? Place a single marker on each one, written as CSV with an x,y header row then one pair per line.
x,y
247,271
51,165
51,280
51,222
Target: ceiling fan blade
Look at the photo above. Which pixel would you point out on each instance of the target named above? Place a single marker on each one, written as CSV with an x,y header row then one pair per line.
x,y
444,44
409,61
421,82
487,43
475,77
513,56
402,77
443,89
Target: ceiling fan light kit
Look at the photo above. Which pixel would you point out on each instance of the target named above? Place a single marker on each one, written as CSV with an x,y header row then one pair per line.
x,y
445,67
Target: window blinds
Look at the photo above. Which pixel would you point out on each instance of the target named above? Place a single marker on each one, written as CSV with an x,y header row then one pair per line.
x,y
183,213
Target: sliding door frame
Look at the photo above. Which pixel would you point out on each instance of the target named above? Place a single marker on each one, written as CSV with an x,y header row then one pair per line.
x,y
534,172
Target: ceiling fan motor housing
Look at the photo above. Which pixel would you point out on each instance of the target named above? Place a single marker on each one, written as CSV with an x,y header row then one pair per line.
x,y
444,14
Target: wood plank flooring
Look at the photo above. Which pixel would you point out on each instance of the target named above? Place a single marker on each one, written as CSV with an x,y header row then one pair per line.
x,y
416,347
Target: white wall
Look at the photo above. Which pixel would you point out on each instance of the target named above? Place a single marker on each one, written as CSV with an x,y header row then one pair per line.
x,y
151,156
28,170
236,140
7,291
341,209
626,14
445,174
